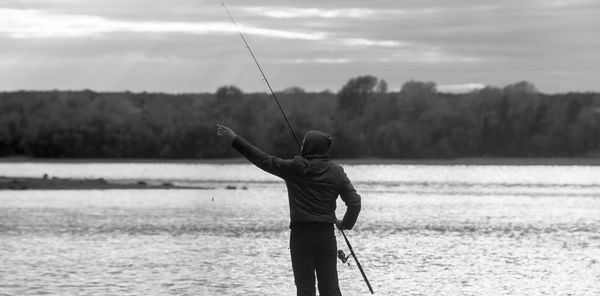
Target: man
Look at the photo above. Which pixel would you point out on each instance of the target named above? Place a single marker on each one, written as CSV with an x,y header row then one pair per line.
x,y
313,182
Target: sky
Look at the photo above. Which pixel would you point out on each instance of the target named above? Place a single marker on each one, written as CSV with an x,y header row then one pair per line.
x,y
181,46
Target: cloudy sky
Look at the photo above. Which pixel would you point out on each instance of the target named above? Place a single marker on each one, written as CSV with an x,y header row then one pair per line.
x,y
191,45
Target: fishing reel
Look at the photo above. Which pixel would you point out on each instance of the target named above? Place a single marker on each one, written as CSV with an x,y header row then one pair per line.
x,y
342,256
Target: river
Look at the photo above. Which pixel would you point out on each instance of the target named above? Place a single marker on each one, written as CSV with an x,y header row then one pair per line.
x,y
423,230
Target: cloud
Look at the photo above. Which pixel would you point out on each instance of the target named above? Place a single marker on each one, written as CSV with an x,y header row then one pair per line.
x,y
562,3
283,34
322,61
337,13
369,42
294,12
445,41
30,23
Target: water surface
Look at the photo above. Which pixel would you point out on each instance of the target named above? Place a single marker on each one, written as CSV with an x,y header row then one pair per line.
x,y
424,230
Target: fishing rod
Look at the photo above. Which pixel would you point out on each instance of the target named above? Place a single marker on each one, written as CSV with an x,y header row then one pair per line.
x,y
263,74
342,256
362,272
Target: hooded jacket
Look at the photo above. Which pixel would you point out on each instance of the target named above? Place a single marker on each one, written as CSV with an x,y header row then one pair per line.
x,y
313,181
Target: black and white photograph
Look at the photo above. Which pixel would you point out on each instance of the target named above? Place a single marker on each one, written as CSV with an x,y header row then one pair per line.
x,y
235,147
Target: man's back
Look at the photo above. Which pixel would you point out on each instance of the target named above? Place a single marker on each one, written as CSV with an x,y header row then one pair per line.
x,y
313,190
313,182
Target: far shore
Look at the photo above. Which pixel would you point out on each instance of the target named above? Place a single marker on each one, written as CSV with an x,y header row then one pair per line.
x,y
527,161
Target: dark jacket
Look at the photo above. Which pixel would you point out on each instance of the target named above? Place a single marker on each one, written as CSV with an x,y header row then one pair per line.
x,y
313,181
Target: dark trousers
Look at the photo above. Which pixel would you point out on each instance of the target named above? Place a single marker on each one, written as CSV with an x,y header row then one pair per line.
x,y
314,250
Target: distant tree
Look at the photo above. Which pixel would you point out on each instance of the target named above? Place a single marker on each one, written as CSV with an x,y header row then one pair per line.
x,y
378,113
481,108
523,106
393,139
349,140
355,94
10,129
416,97
363,117
294,90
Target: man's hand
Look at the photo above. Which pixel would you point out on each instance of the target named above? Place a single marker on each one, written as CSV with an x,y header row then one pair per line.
x,y
338,224
225,132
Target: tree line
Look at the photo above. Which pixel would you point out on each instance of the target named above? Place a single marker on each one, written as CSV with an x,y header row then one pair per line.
x,y
365,119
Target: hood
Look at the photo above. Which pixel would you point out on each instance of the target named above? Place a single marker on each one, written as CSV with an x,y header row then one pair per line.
x,y
316,144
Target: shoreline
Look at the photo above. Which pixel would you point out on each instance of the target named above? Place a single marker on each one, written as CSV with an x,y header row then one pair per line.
x,y
481,161
54,183
45,182
526,161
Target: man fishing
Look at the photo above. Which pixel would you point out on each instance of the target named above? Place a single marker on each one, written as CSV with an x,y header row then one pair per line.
x,y
313,182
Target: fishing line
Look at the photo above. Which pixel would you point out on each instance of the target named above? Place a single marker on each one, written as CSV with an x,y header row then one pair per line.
x,y
264,78
220,103
219,144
